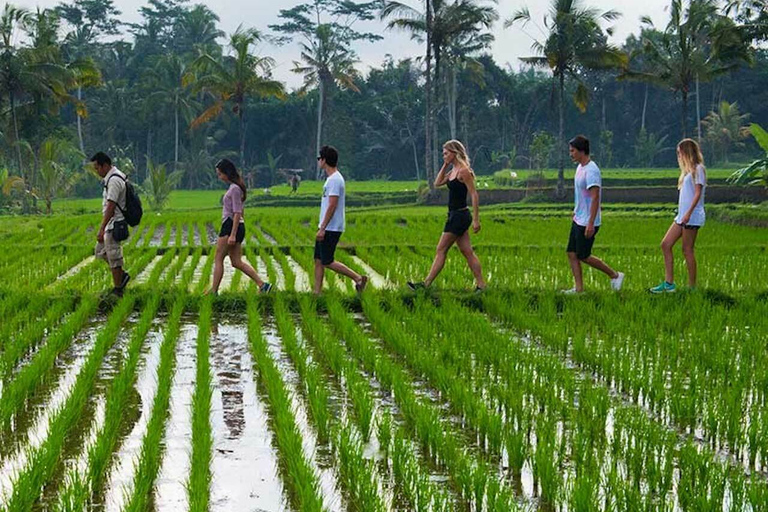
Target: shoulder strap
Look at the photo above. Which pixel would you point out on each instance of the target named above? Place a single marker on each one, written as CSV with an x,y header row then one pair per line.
x,y
126,181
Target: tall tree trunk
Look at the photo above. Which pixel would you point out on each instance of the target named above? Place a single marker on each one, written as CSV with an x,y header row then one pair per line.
x,y
12,103
320,102
451,90
684,114
176,139
428,102
149,151
561,141
698,111
645,108
602,117
414,149
241,115
80,122
436,153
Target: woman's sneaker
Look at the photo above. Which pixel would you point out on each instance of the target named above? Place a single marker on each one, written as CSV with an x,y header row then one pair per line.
x,y
416,286
265,288
617,281
664,287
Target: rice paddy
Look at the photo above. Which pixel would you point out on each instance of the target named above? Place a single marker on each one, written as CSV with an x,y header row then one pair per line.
x,y
519,398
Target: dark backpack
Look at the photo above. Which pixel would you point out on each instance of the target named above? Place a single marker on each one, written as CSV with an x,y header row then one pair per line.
x,y
133,210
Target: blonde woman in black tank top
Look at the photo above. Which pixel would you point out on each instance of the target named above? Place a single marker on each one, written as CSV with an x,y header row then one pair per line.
x,y
461,182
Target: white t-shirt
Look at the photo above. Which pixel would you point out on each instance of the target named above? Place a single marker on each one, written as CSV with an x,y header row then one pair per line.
x,y
114,190
334,186
587,176
685,197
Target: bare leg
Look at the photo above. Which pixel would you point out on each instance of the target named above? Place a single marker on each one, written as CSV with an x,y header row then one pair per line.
x,y
218,263
689,240
445,243
465,246
117,276
578,279
595,262
236,257
319,275
667,243
344,270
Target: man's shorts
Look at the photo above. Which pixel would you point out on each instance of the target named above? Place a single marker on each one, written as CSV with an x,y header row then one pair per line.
x,y
110,251
579,243
326,249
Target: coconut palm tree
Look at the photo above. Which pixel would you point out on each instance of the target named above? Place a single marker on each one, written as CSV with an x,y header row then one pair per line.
x,y
698,44
159,184
725,129
59,162
575,42
234,79
452,29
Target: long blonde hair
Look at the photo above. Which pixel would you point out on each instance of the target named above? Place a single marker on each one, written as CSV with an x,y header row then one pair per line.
x,y
689,158
458,149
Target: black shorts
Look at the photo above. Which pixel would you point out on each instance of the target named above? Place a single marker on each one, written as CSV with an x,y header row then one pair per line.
x,y
226,230
458,222
326,249
688,226
579,243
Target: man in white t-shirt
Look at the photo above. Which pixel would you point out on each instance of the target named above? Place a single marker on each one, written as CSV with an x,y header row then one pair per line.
x,y
113,200
332,222
587,185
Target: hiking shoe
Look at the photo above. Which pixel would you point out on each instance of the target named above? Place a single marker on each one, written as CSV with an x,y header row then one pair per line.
x,y
617,281
124,282
570,291
265,288
359,287
479,290
664,287
416,286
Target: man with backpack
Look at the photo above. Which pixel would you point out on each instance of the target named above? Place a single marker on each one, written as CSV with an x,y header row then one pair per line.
x,y
114,227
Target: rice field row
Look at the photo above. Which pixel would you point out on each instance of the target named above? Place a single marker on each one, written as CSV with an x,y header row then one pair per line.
x,y
516,399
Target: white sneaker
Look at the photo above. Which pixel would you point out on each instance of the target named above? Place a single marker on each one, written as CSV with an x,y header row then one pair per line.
x,y
617,281
572,291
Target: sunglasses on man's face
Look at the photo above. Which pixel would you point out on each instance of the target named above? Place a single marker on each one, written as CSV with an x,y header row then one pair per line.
x,y
319,158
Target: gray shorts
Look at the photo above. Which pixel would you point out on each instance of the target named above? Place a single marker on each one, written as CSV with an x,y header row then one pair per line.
x,y
110,251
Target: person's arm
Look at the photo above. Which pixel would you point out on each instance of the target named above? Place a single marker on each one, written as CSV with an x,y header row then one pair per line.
x,y
594,192
111,205
235,224
469,180
333,203
442,176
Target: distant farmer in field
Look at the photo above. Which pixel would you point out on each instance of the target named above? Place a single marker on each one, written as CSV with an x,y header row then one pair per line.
x,y
232,231
108,246
690,214
294,181
461,182
332,223
586,217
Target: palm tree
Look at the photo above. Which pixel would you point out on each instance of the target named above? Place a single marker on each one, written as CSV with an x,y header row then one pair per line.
x,y
755,174
197,31
575,43
452,29
169,83
59,162
159,184
12,65
697,45
234,79
325,63
726,128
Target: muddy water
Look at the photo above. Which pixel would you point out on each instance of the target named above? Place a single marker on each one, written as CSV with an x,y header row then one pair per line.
x,y
143,277
168,268
197,239
170,490
261,267
226,279
74,270
157,236
377,280
31,428
245,466
126,458
181,273
280,281
319,456
270,239
198,274
211,234
302,278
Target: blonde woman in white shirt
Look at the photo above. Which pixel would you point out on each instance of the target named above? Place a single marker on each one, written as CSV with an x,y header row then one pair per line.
x,y
690,215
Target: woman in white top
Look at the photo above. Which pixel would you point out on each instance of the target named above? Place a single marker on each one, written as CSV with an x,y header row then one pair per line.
x,y
690,214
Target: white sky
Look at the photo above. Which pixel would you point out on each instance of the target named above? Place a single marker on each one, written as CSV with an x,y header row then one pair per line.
x,y
509,44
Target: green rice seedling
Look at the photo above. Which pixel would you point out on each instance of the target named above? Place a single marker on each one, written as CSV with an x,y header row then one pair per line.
x,y
299,477
43,461
384,431
199,483
356,472
37,372
150,457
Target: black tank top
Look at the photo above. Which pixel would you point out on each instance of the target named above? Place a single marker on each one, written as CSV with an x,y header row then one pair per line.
x,y
457,195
